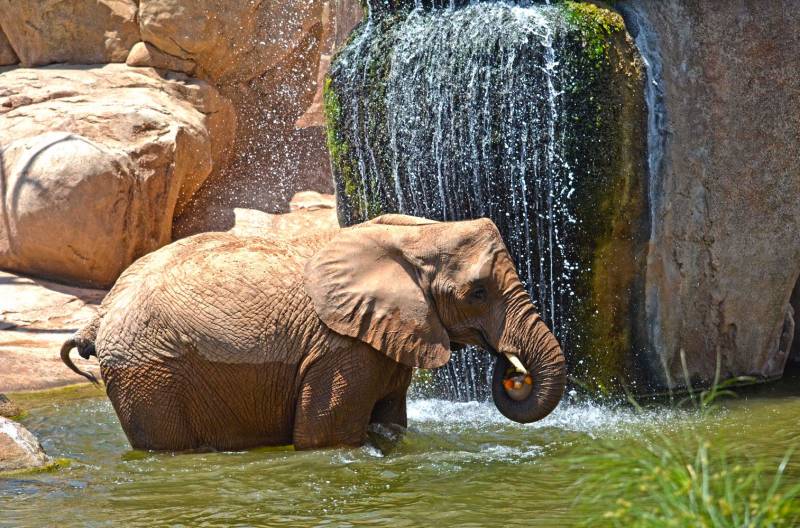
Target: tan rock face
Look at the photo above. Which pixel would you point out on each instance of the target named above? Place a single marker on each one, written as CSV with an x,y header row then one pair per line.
x,y
231,42
19,449
264,57
7,54
96,163
144,54
77,31
309,212
725,245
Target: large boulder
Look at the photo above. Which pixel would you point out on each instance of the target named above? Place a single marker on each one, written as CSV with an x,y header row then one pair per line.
x,y
725,243
19,449
262,56
97,161
77,31
231,42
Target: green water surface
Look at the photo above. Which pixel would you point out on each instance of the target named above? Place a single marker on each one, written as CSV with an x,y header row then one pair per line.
x,y
460,464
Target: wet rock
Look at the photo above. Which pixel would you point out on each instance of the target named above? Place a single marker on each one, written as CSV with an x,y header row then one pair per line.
x,y
145,54
239,42
111,175
19,449
8,409
78,31
724,249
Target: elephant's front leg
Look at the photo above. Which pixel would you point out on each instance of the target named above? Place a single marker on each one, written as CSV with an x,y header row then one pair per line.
x,y
343,391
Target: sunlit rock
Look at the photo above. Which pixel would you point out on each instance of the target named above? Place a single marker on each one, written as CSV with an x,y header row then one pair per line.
x,y
97,161
19,449
77,31
36,316
145,54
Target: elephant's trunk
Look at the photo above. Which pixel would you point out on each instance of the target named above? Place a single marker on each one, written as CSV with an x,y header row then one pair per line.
x,y
527,337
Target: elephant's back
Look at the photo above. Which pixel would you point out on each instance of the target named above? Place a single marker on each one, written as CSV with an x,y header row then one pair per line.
x,y
226,298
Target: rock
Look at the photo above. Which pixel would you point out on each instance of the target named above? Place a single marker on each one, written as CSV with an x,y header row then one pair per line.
x,y
310,212
36,317
77,31
337,23
111,175
19,449
724,249
7,54
145,54
8,409
264,57
241,42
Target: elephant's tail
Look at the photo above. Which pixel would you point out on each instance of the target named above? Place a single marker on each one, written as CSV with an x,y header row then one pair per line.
x,y
68,345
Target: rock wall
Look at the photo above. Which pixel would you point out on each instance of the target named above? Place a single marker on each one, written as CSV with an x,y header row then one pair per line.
x,y
255,62
7,55
725,243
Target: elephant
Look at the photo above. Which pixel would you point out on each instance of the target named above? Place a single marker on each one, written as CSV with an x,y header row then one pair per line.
x,y
227,342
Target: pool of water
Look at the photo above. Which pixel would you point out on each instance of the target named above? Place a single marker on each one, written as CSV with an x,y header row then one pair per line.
x,y
459,464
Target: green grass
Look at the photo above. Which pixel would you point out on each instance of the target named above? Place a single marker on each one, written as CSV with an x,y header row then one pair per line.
x,y
668,486
660,480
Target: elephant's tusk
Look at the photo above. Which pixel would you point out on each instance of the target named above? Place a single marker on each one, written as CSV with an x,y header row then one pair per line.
x,y
516,362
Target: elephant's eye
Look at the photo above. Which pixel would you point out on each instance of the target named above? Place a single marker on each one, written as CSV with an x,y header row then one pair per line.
x,y
478,294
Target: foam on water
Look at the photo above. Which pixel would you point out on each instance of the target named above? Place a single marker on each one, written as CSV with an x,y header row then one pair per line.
x,y
586,417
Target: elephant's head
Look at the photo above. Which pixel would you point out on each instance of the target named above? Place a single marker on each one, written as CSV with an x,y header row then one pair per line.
x,y
409,287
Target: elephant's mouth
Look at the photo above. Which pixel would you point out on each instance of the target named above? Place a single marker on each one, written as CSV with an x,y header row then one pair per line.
x,y
517,385
517,381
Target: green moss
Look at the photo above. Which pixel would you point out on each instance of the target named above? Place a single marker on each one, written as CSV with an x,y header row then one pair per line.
x,y
34,399
55,464
596,25
19,417
337,146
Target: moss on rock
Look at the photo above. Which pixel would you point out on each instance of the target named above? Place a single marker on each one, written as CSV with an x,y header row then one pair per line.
x,y
597,26
608,138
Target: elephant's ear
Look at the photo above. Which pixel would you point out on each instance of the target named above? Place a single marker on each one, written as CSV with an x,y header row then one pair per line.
x,y
363,286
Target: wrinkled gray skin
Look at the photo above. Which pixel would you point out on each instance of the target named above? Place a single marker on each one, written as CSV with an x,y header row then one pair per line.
x,y
228,342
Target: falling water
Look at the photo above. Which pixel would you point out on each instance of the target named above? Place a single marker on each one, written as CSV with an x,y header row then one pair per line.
x,y
462,112
647,43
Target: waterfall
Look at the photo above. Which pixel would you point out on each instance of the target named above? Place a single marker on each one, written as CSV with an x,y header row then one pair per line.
x,y
477,111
